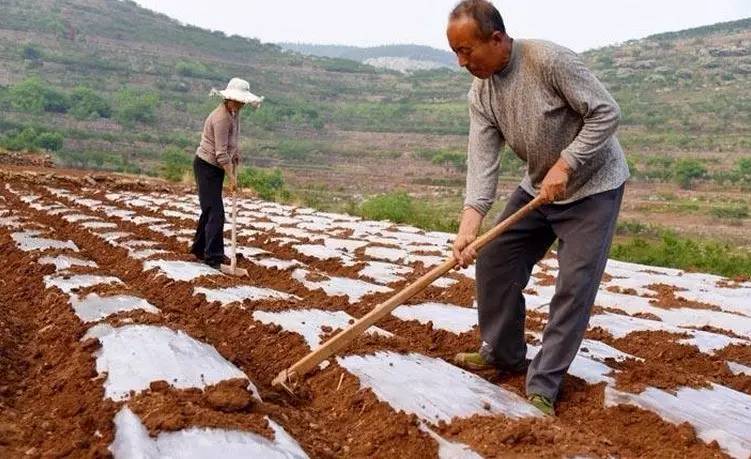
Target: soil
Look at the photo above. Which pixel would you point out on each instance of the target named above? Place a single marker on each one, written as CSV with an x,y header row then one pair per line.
x,y
52,399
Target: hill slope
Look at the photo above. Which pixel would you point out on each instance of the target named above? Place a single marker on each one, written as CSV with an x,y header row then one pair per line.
x,y
395,57
120,83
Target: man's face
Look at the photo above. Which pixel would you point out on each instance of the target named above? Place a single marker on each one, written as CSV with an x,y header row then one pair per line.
x,y
482,57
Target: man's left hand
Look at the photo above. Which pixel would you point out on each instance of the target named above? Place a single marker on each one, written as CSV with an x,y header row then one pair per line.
x,y
554,184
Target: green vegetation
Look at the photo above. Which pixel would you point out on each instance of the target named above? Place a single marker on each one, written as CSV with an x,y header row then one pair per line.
x,y
86,104
133,106
670,250
32,139
687,171
400,207
731,211
268,184
175,164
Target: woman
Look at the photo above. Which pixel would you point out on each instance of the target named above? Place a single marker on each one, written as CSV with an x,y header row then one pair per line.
x,y
218,154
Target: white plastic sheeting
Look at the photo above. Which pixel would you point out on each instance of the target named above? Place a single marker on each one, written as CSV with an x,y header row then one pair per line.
x,y
310,322
739,369
181,270
241,293
132,440
620,326
29,241
354,289
94,307
63,262
133,356
450,450
432,389
384,273
718,413
74,282
449,317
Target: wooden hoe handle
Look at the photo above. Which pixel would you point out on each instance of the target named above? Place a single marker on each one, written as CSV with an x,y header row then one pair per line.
x,y
346,336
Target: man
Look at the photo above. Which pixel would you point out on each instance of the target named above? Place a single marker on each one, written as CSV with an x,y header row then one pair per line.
x,y
554,114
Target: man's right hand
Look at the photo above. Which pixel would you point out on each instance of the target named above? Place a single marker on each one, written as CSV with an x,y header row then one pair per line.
x,y
468,230
229,170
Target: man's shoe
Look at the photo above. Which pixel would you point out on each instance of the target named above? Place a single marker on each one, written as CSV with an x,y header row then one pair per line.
x,y
214,264
542,403
472,361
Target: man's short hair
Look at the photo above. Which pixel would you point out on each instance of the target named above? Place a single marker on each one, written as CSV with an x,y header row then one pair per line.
x,y
487,16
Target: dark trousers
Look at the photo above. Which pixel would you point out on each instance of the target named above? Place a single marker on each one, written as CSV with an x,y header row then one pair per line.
x,y
585,231
208,243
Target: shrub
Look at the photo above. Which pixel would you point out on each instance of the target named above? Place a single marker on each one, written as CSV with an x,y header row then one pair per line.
x,y
32,139
687,171
175,163
268,184
31,52
35,96
87,104
132,106
396,207
451,159
670,250
734,211
52,141
293,149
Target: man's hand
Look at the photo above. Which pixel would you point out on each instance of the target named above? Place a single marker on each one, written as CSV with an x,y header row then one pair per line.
x,y
468,229
554,184
229,170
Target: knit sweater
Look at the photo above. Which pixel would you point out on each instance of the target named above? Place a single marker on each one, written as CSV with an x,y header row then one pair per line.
x,y
545,105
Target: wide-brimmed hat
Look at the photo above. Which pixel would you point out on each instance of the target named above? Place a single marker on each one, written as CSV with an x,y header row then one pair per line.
x,y
239,90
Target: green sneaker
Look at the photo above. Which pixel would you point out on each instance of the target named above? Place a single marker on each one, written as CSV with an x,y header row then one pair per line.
x,y
542,403
471,361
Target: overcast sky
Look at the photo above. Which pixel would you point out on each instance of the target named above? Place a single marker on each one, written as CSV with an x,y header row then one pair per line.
x,y
578,24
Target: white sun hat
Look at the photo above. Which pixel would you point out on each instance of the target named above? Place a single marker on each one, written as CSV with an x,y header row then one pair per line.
x,y
239,90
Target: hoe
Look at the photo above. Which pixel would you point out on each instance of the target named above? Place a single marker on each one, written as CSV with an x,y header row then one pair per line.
x,y
289,377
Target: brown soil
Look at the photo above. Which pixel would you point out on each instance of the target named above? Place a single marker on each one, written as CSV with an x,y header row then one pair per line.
x,y
669,365
669,297
53,399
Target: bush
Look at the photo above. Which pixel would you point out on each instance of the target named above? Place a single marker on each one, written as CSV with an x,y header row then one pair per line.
x,y
52,141
32,139
132,106
451,159
35,96
396,207
268,184
292,149
675,252
687,171
175,163
87,104
734,211
31,52
194,70
399,207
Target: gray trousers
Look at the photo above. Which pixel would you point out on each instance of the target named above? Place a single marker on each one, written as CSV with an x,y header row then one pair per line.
x,y
585,231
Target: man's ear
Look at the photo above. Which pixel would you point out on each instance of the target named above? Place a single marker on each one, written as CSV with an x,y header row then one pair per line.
x,y
497,37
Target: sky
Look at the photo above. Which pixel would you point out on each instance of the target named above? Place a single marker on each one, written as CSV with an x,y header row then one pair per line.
x,y
577,24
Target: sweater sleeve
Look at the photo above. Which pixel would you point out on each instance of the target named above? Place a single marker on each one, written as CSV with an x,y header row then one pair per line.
x,y
588,97
483,158
221,140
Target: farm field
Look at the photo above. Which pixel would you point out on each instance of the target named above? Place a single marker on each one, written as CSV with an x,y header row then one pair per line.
x,y
117,342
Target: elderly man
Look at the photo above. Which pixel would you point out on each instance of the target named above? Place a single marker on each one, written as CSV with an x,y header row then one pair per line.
x,y
540,100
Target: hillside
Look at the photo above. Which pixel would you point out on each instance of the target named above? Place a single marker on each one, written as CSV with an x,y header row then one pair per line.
x,y
403,58
109,84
